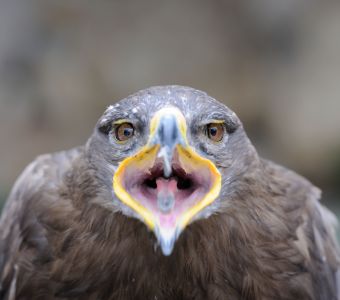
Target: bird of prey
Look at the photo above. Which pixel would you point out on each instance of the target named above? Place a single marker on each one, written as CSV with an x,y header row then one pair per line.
x,y
168,199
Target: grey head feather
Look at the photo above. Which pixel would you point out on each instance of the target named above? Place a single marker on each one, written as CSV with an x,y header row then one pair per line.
x,y
233,156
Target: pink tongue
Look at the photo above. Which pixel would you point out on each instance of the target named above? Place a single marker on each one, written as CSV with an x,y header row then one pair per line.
x,y
166,185
166,195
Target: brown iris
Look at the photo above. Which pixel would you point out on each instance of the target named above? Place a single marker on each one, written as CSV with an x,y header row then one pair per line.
x,y
215,131
124,131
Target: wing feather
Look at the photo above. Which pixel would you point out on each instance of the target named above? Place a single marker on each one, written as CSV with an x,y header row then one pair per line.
x,y
20,232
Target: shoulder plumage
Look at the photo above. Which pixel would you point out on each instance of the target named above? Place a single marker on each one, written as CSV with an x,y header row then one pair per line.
x,y
315,229
18,224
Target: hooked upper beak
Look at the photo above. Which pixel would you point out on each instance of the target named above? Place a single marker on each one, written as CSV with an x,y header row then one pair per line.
x,y
167,136
167,183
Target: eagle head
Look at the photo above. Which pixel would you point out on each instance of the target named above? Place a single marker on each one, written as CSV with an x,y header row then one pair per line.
x,y
169,155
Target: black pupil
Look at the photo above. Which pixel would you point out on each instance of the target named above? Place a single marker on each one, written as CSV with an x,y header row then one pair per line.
x,y
213,131
127,131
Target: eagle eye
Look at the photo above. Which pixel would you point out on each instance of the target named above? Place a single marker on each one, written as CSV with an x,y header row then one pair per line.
x,y
124,131
215,131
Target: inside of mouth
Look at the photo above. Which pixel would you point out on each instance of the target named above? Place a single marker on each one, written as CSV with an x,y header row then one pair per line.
x,y
184,181
167,197
179,183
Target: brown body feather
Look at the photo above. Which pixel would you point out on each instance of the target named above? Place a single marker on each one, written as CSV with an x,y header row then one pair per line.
x,y
65,235
58,243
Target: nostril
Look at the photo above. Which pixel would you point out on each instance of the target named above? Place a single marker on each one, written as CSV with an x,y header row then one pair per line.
x,y
151,183
184,184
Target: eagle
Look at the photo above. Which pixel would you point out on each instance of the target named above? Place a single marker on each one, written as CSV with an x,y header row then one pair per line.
x,y
168,199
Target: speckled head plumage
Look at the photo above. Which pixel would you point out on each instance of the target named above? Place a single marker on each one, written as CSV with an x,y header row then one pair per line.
x,y
223,159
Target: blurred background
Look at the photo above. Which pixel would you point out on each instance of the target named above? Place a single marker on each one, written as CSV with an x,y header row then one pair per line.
x,y
275,63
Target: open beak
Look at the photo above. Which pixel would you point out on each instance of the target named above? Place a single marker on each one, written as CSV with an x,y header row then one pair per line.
x,y
167,183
